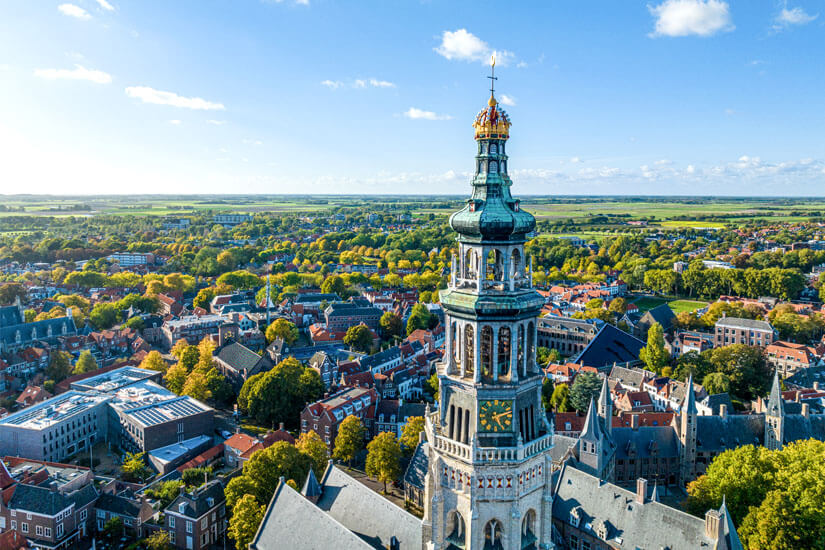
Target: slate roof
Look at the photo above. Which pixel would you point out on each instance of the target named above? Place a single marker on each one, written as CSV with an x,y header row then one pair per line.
x,y
417,468
799,427
10,315
629,377
42,500
609,346
380,358
644,440
311,486
661,314
346,501
118,505
716,400
630,525
291,521
196,505
37,330
716,434
239,357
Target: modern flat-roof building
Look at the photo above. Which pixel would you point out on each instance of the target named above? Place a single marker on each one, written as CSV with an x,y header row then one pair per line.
x,y
123,406
131,259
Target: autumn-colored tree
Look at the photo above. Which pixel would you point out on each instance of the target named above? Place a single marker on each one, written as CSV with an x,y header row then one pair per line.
x,y
246,517
310,444
281,328
85,363
154,361
176,377
384,458
359,338
350,439
410,434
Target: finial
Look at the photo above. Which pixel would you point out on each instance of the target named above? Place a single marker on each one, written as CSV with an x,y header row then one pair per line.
x,y
492,77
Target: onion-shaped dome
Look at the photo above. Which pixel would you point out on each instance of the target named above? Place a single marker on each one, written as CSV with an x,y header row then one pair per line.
x,y
492,122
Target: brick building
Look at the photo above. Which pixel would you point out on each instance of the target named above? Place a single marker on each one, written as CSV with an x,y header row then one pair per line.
x,y
196,520
733,330
324,416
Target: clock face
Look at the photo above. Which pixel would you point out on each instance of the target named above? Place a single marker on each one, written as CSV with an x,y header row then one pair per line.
x,y
495,415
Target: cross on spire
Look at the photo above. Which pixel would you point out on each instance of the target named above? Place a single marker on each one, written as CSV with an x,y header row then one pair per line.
x,y
492,76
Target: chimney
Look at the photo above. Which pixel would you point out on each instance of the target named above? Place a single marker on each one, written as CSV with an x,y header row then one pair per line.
x,y
641,490
797,396
723,410
634,421
713,524
806,410
183,489
816,385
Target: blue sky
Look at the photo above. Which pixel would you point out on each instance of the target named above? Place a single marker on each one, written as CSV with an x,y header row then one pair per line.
x,y
320,96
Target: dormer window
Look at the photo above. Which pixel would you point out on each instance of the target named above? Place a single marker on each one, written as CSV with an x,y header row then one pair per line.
x,y
210,501
182,507
575,516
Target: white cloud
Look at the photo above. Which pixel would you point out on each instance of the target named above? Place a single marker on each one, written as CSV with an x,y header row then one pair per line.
x,y
360,84
73,11
158,97
793,16
78,73
505,99
175,122
691,169
687,17
105,5
420,114
575,160
332,84
381,83
521,65
463,45
216,122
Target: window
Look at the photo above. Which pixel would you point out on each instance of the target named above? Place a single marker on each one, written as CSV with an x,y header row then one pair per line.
x,y
39,530
24,527
189,526
172,521
82,515
59,529
203,523
172,537
13,525
49,532
101,514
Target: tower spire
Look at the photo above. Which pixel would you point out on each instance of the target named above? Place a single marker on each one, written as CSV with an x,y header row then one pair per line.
x,y
493,79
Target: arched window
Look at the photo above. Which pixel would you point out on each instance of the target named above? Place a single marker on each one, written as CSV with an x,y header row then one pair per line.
x,y
493,265
531,347
492,535
455,527
493,149
504,352
469,264
487,352
503,167
493,167
520,348
528,531
515,263
469,350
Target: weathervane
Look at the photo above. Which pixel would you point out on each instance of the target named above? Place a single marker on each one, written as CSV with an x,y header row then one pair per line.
x,y
492,76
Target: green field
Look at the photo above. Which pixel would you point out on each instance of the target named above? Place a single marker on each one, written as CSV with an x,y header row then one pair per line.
x,y
645,304
678,306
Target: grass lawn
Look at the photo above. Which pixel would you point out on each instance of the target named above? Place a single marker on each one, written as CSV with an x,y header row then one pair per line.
x,y
678,306
645,303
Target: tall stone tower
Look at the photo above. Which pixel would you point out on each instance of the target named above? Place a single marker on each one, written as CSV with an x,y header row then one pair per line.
x,y
488,485
687,434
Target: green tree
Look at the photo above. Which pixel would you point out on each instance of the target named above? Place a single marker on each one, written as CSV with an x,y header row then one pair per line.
x,y
560,400
334,284
197,386
85,363
9,292
114,529
280,394
716,382
29,315
586,386
350,439
749,373
431,386
420,318
359,338
246,518
134,467
60,366
281,328
384,458
391,324
310,444
159,540
654,353
179,347
547,390
196,476
104,315
410,434
176,377
154,361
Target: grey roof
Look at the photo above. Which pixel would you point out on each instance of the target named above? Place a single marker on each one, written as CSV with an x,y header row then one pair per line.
x,y
10,315
315,297
42,500
716,434
690,400
592,430
240,357
417,468
166,411
604,396
291,521
386,356
197,504
738,322
633,378
561,445
609,346
311,486
630,525
366,513
646,441
38,330
729,534
715,401
118,505
661,314
799,427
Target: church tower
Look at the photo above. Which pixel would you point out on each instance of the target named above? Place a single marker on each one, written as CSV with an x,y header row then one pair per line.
x,y
775,416
488,485
687,433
